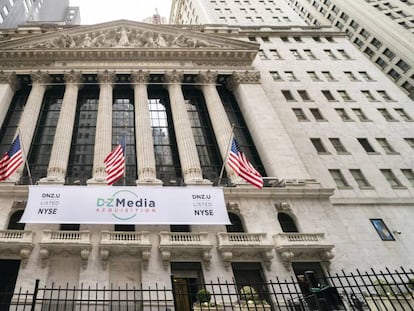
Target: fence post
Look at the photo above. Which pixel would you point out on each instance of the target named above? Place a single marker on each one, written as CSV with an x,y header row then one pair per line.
x,y
34,299
173,291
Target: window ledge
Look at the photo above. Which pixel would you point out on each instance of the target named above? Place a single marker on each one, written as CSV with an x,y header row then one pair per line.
x,y
344,188
344,153
374,153
399,187
366,188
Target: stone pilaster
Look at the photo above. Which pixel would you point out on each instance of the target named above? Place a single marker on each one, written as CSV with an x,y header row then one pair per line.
x,y
273,144
218,116
9,84
190,163
103,136
59,157
28,120
144,143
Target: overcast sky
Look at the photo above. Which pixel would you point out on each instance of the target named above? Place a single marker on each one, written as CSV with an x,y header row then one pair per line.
x,y
98,11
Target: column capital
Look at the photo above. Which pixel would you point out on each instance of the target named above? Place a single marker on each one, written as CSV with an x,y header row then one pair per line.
x,y
207,77
246,77
73,77
40,77
10,79
140,77
106,77
173,76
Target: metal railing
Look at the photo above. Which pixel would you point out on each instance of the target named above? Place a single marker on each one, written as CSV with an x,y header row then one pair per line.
x,y
383,290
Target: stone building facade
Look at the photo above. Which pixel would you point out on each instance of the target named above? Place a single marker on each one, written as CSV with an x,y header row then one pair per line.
x,y
332,136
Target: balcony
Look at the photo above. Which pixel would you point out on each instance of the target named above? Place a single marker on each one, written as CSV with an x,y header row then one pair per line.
x,y
16,242
62,242
303,246
124,242
182,245
243,245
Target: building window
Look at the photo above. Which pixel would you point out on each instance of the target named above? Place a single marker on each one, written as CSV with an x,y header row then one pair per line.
x,y
14,219
394,75
328,76
350,76
360,178
339,179
344,95
410,142
275,75
275,54
343,114
338,146
313,76
317,114
391,178
304,95
382,230
300,115
368,95
360,114
404,115
287,223
390,54
330,54
387,116
409,174
288,95
296,54
408,87
366,145
290,76
365,76
328,95
344,54
262,55
318,144
380,62
403,65
236,223
375,42
386,145
310,54
384,95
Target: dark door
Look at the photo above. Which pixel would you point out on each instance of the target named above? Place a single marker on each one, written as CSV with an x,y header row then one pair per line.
x,y
187,278
8,275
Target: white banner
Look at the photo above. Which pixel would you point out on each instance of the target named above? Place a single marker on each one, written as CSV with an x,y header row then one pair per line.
x,y
125,205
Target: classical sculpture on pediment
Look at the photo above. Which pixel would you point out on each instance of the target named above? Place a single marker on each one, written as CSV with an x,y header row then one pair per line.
x,y
123,37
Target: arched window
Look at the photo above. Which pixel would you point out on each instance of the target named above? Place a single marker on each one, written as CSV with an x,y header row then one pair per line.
x,y
287,223
14,221
236,224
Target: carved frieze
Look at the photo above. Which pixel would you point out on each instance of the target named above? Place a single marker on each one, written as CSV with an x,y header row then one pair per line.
x,y
124,37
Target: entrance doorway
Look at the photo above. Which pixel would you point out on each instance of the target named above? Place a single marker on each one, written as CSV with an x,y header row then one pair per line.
x,y
187,277
9,270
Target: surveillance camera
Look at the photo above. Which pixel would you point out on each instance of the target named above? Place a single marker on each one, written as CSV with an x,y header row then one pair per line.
x,y
397,232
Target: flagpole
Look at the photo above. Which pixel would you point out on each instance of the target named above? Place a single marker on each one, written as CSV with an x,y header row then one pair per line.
x,y
24,155
125,155
227,154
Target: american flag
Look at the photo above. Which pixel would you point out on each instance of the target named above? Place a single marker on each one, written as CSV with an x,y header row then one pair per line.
x,y
241,165
115,163
11,160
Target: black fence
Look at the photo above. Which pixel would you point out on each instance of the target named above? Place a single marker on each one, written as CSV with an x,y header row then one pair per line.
x,y
372,290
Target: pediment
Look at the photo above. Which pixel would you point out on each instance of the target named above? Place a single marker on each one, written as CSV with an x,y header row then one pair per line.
x,y
124,34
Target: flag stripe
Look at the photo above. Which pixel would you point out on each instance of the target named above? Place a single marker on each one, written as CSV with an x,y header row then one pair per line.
x,y
11,160
242,166
115,163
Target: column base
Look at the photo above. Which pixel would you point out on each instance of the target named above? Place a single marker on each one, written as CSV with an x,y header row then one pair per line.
x,y
198,182
149,182
51,180
97,181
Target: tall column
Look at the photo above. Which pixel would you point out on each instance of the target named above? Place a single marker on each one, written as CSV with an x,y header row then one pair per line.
x,y
218,116
59,157
9,84
273,144
103,135
28,120
190,163
144,144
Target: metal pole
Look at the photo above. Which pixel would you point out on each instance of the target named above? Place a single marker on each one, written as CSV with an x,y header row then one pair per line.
x,y
35,292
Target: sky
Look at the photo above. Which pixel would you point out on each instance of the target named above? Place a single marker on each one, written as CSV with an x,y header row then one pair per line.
x,y
99,11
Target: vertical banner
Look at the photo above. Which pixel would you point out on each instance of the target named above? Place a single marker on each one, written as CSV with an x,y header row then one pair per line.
x,y
126,205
